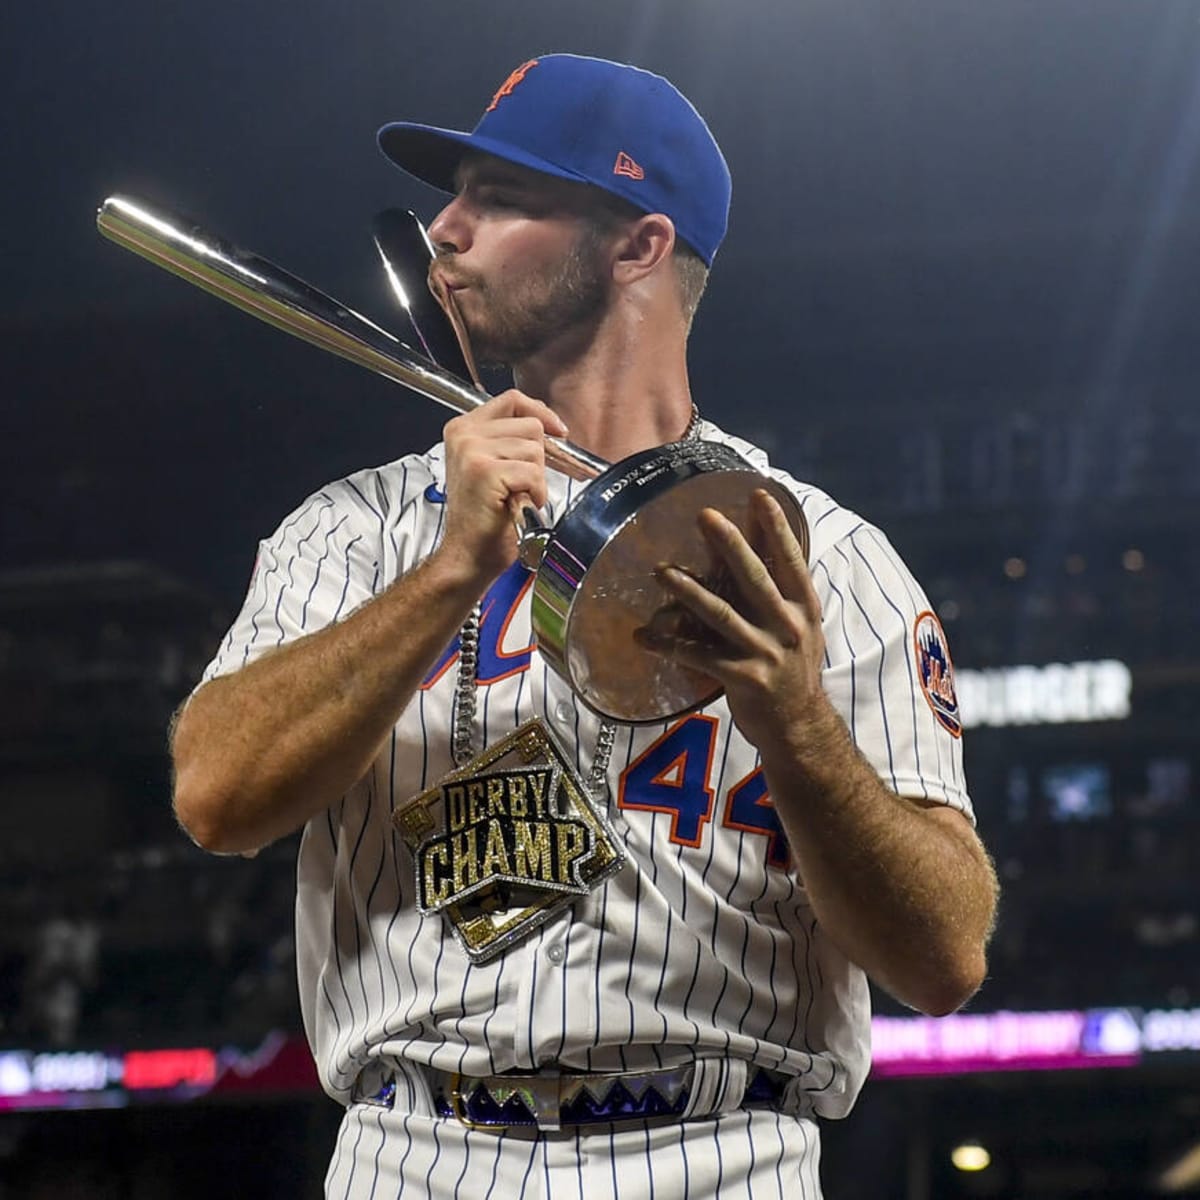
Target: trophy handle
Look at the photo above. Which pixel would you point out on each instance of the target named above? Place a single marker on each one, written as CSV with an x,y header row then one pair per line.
x,y
266,291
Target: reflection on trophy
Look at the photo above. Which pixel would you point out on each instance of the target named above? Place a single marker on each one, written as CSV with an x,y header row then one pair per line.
x,y
595,567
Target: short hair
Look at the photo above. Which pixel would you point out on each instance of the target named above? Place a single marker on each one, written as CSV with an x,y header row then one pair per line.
x,y
692,273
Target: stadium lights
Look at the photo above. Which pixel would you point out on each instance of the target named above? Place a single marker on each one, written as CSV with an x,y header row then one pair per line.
x,y
971,1156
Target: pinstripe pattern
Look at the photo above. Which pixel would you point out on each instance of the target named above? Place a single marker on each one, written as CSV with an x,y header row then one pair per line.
x,y
758,1155
689,952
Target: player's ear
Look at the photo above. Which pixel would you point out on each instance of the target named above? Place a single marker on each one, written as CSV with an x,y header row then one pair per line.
x,y
642,245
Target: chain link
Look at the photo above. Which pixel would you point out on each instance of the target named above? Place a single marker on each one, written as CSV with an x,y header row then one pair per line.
x,y
597,777
465,692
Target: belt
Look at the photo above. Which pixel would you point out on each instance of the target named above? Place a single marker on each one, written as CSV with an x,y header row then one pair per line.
x,y
546,1100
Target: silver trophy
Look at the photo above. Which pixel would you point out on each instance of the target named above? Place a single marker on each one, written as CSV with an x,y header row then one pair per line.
x,y
596,567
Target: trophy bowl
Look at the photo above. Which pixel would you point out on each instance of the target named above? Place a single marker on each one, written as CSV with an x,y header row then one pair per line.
x,y
596,583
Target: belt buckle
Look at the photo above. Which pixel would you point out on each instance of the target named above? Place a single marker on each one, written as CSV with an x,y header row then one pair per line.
x,y
540,1094
552,1101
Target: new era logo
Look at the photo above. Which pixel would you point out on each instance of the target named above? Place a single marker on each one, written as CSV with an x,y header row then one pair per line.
x,y
627,167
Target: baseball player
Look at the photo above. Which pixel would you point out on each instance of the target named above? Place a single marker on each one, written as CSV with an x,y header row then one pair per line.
x,y
639,966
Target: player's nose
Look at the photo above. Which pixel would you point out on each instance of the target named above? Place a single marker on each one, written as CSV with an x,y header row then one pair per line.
x,y
450,229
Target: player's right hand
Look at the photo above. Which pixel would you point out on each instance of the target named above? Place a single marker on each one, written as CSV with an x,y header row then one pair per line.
x,y
495,463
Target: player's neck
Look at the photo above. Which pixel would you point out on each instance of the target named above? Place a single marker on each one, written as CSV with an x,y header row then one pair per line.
x,y
623,391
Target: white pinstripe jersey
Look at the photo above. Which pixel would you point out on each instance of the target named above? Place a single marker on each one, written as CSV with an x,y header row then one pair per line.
x,y
703,944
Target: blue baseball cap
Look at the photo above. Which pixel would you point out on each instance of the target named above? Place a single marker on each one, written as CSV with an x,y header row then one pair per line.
x,y
617,127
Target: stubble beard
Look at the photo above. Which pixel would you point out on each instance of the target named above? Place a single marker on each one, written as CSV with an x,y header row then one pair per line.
x,y
523,321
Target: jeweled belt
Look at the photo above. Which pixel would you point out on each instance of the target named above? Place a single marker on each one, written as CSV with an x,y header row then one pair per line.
x,y
566,1100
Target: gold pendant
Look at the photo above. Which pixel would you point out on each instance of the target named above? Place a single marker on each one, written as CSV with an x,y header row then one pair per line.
x,y
506,841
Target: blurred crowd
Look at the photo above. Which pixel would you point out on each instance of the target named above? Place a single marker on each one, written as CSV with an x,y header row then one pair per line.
x,y
156,947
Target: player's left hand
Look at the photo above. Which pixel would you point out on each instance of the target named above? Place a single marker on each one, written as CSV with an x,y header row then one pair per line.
x,y
764,643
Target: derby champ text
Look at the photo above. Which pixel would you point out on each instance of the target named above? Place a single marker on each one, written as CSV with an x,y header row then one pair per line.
x,y
503,827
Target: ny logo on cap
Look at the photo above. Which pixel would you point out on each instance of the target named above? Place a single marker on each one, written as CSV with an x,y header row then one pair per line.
x,y
508,86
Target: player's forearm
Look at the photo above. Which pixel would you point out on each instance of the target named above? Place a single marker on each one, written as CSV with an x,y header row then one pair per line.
x,y
906,891
259,752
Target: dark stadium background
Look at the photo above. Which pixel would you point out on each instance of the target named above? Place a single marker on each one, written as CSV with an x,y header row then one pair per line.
x,y
960,292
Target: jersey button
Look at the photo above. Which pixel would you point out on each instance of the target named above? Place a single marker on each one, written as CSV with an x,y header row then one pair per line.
x,y
555,953
563,711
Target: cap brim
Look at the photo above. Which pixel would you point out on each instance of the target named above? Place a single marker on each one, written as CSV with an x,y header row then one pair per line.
x,y
433,155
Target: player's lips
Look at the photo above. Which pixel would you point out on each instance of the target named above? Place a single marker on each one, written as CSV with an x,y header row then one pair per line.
x,y
449,282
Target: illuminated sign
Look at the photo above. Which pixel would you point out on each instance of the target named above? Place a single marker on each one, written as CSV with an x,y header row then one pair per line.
x,y
170,1068
1053,694
77,1072
93,1079
16,1073
1029,1041
1171,1029
25,1074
